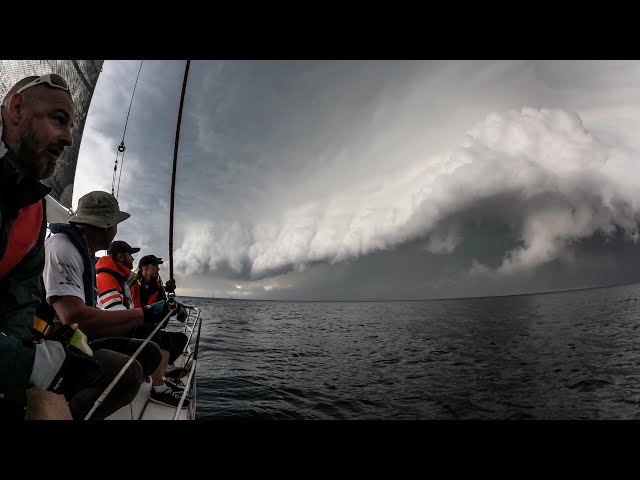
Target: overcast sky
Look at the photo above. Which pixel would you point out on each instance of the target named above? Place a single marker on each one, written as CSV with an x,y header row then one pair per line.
x,y
365,180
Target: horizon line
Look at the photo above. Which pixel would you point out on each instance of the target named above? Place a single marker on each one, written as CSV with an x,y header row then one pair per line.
x,y
546,292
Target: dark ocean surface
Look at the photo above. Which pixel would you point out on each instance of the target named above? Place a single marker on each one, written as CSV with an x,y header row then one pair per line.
x,y
567,355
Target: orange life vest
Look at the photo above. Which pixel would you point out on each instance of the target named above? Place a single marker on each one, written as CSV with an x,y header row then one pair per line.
x,y
22,237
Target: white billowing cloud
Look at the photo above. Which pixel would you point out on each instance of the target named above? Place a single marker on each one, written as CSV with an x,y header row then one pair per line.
x,y
567,182
549,154
199,253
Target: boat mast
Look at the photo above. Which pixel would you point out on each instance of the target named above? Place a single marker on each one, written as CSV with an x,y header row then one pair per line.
x,y
173,177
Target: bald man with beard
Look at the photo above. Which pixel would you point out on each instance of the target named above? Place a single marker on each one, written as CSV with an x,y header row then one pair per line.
x,y
39,376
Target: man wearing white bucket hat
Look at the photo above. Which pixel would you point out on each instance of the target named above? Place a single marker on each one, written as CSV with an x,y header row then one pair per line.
x,y
69,279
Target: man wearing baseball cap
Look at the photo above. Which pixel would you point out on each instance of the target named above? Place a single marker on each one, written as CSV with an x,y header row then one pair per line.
x,y
112,273
146,288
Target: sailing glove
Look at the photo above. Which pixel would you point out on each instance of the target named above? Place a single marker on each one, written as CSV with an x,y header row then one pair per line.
x,y
155,312
182,312
170,286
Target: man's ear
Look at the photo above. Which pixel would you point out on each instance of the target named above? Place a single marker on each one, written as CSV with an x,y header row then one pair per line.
x,y
15,108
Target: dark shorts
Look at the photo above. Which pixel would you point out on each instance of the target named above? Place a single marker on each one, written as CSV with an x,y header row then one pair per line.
x,y
112,354
172,342
149,357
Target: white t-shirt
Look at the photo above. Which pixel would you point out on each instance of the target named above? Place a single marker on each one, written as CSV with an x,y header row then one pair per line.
x,y
63,268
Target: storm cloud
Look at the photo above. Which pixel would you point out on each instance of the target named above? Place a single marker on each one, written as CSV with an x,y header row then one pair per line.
x,y
288,166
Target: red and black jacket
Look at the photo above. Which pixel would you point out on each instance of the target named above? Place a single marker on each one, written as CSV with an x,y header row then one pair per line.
x,y
22,231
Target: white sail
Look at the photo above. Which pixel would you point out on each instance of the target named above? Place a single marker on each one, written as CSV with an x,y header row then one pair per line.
x,y
56,213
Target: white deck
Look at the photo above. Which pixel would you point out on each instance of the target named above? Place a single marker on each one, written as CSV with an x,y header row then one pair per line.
x,y
142,409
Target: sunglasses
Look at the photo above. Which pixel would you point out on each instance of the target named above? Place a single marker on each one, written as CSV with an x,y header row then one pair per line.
x,y
52,79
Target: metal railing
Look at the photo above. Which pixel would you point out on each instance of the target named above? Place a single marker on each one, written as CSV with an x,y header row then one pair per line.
x,y
193,313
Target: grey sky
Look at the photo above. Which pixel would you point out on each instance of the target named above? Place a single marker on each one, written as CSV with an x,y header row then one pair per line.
x,y
376,179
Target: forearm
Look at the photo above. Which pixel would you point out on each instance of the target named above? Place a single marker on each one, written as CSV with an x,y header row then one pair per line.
x,y
98,323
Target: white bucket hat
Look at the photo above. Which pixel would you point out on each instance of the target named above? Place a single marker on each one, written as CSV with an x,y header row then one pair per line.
x,y
99,209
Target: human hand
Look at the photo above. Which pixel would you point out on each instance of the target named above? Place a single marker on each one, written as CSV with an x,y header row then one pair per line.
x,y
156,312
170,286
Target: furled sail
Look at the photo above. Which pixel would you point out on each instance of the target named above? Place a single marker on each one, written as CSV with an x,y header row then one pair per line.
x,y
82,76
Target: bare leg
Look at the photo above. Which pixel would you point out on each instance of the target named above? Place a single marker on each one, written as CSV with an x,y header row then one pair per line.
x,y
157,376
45,405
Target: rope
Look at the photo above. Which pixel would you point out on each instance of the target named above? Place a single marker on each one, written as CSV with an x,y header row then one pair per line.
x,y
122,147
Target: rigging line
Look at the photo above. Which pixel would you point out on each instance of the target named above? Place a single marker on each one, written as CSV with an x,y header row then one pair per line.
x,y
120,176
175,161
121,147
131,103
113,178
